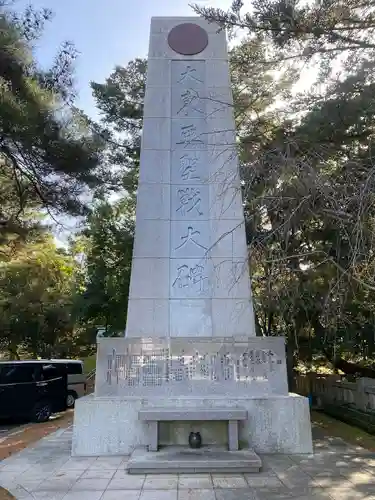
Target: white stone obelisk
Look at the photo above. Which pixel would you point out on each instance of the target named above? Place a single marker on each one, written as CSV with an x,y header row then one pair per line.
x,y
190,275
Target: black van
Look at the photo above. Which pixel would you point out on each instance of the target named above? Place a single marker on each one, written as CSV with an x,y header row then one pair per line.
x,y
32,389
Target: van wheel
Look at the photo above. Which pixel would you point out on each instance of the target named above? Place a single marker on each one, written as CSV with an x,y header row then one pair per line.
x,y
71,399
41,412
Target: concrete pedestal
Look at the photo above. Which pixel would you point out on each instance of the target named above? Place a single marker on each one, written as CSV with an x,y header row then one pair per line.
x,y
110,425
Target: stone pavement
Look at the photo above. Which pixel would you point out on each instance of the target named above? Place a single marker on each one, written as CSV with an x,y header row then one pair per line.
x,y
336,471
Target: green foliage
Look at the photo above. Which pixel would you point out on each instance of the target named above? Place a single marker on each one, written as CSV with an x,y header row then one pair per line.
x,y
51,161
36,288
120,102
108,243
307,166
296,29
44,159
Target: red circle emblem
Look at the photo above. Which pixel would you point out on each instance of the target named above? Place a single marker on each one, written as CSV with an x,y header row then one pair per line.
x,y
188,39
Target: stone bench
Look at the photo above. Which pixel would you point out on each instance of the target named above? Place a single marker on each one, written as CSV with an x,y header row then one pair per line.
x,y
155,415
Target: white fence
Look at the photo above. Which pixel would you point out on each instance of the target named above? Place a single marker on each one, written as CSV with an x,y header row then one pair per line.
x,y
332,390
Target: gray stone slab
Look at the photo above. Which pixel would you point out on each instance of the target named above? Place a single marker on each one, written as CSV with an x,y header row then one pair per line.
x,y
180,459
116,495
159,482
221,481
191,494
85,495
198,481
21,494
158,495
90,484
127,482
199,414
236,494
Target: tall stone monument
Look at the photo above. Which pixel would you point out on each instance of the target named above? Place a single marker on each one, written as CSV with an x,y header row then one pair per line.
x,y
190,352
190,274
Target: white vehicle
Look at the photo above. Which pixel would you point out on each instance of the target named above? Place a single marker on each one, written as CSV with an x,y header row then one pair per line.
x,y
76,379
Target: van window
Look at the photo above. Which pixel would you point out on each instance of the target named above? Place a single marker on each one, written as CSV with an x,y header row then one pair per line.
x,y
17,373
50,372
74,368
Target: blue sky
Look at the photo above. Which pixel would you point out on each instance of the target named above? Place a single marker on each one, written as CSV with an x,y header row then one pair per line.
x,y
105,33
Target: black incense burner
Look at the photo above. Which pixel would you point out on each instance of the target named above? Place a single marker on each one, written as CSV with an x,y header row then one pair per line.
x,y
195,440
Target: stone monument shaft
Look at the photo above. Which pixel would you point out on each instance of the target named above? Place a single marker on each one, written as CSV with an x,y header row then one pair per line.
x,y
190,275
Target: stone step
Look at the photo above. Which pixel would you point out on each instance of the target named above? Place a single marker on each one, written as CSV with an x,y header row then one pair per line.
x,y
180,459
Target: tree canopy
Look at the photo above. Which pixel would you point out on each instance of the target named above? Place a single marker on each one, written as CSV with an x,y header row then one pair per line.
x,y
49,156
308,174
50,165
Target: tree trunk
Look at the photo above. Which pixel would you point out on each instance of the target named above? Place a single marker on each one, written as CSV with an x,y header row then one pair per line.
x,y
258,328
13,354
350,368
290,348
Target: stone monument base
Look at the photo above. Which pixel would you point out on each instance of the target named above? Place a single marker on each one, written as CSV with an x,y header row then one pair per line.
x,y
110,425
180,460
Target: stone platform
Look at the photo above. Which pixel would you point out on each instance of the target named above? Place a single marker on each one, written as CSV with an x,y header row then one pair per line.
x,y
183,460
110,425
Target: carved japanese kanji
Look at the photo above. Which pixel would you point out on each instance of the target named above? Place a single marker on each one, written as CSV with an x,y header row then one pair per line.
x,y
189,74
190,102
189,136
188,167
190,200
191,236
191,277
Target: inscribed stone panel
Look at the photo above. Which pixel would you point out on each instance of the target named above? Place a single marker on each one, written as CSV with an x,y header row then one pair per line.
x,y
223,166
189,202
190,278
219,104
221,133
217,73
189,167
190,238
189,134
225,201
188,74
188,103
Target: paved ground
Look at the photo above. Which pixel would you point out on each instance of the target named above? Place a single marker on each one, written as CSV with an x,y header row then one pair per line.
x,y
15,438
7,428
336,471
